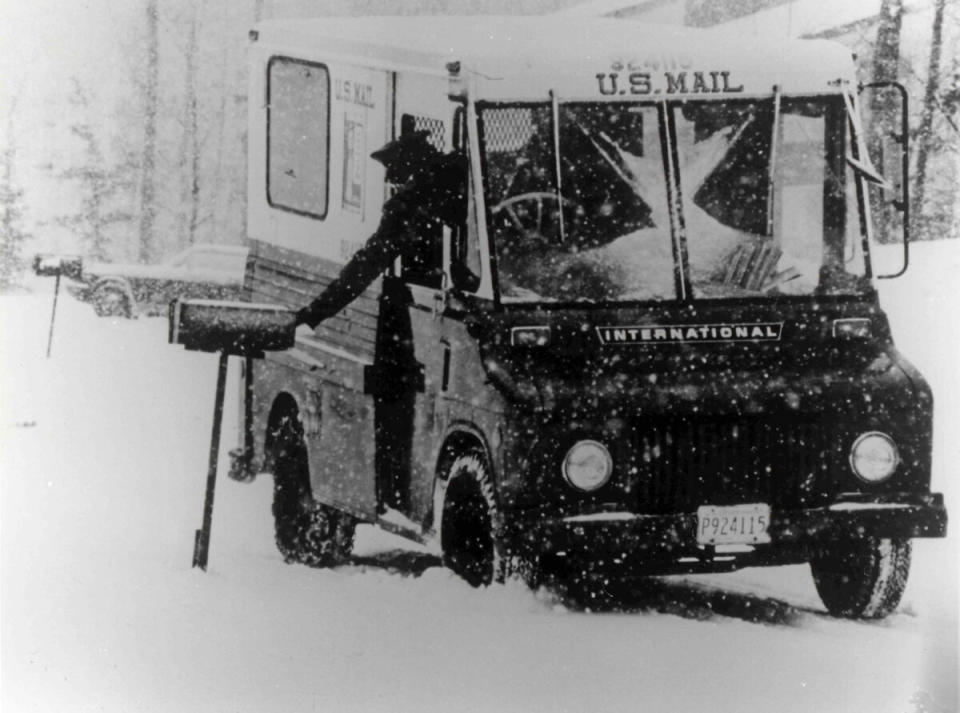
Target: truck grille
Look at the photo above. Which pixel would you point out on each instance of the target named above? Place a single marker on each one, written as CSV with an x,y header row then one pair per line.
x,y
683,464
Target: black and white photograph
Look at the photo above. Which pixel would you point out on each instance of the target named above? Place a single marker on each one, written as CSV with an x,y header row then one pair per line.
x,y
489,356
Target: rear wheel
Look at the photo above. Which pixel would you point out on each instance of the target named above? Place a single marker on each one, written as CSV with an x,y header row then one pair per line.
x,y
306,531
468,531
862,579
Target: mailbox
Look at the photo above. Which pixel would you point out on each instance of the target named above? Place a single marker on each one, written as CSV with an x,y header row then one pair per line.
x,y
236,328
50,265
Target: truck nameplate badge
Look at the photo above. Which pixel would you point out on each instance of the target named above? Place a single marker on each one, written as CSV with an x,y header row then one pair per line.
x,y
686,333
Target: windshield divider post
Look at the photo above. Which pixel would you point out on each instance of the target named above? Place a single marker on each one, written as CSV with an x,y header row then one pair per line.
x,y
555,111
487,259
668,147
773,159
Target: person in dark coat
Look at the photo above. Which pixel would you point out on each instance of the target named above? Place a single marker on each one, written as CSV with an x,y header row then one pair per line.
x,y
431,189
431,192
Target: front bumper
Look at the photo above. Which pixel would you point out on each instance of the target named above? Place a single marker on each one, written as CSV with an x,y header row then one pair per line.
x,y
615,539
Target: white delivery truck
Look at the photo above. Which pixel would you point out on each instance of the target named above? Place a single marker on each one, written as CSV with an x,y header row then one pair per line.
x,y
655,343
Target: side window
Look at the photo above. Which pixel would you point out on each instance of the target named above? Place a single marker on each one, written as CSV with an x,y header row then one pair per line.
x,y
425,265
411,123
298,136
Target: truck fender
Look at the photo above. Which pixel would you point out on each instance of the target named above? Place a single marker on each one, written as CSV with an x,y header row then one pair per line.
x,y
118,283
459,439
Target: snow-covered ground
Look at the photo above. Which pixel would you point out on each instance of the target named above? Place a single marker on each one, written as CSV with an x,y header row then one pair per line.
x,y
102,463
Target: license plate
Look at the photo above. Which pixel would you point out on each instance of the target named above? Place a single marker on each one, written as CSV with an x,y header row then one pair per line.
x,y
733,524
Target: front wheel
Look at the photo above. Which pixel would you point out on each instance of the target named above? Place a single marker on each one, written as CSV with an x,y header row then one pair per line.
x,y
862,579
468,531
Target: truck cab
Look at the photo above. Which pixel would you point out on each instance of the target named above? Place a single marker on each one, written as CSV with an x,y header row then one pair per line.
x,y
654,345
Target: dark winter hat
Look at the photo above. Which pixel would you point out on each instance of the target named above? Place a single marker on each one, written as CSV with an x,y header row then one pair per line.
x,y
405,150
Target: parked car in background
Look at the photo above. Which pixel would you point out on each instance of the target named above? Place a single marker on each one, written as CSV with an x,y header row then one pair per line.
x,y
130,289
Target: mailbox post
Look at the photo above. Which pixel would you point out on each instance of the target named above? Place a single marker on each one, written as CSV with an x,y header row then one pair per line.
x,y
201,544
229,328
55,266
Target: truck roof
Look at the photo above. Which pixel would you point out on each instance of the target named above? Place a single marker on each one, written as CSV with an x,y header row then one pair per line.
x,y
524,57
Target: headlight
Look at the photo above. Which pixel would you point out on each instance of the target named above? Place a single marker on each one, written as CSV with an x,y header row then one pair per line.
x,y
587,465
874,457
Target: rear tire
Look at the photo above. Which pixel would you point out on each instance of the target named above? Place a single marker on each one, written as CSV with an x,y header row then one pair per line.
x,y
468,527
862,579
306,531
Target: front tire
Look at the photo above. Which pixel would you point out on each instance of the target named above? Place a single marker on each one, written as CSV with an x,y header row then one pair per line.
x,y
468,528
862,579
306,532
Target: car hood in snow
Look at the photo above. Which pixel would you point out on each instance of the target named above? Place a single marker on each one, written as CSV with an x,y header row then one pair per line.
x,y
161,272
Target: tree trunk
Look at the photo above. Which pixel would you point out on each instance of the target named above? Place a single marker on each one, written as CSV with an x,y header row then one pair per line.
x,y
8,156
220,182
925,137
148,167
97,210
11,237
885,117
191,143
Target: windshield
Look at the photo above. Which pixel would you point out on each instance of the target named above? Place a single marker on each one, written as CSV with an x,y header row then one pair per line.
x,y
769,204
611,240
766,202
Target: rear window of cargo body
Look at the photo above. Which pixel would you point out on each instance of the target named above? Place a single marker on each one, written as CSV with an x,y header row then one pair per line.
x,y
298,136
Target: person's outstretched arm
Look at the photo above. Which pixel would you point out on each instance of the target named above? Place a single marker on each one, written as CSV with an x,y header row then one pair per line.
x,y
377,255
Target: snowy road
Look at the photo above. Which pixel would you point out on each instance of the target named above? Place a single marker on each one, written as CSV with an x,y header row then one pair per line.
x,y
103,459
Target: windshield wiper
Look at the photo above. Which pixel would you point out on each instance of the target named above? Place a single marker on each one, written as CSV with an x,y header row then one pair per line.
x,y
774,140
869,172
555,109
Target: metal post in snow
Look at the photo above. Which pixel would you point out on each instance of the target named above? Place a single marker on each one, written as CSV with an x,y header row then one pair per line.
x,y
201,543
53,314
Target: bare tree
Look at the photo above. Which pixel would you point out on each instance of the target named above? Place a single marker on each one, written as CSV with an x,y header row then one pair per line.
x,y
12,235
206,43
148,164
102,185
926,138
190,144
883,107
222,110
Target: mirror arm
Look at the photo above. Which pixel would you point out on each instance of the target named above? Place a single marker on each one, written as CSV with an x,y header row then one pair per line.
x,y
903,138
